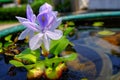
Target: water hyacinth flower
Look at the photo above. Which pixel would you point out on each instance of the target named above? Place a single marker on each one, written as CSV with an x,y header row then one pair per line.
x,y
31,18
47,23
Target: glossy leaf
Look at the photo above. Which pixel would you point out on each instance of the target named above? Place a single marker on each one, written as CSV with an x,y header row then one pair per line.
x,y
106,33
1,50
59,45
40,64
1,44
20,64
70,57
70,23
7,44
8,38
1,47
68,30
16,63
57,60
28,67
61,27
98,24
29,55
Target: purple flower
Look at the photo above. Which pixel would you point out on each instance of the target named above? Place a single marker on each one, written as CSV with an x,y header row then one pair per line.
x,y
48,22
44,7
31,26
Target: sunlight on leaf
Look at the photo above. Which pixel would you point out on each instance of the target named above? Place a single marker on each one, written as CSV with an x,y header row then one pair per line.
x,y
71,23
30,55
1,50
68,30
20,64
40,64
57,60
98,24
1,47
28,67
61,27
1,44
106,33
8,38
70,57
59,45
16,63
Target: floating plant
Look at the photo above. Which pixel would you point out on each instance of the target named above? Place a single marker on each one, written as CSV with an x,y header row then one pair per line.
x,y
42,58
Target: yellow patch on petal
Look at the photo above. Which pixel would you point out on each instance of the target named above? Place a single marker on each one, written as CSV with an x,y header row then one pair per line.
x,y
43,18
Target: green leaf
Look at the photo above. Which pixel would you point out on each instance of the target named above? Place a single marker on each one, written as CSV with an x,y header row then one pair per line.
x,y
16,63
59,45
28,67
71,23
106,33
29,55
7,44
1,44
98,24
40,64
1,49
70,57
8,38
61,27
68,30
20,64
57,60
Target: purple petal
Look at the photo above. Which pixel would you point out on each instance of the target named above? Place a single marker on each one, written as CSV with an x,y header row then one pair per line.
x,y
52,19
24,34
56,24
55,13
33,18
29,13
46,42
36,41
31,34
57,34
30,25
45,6
42,19
20,19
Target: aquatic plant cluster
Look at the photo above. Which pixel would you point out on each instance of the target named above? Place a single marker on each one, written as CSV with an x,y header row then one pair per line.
x,y
42,58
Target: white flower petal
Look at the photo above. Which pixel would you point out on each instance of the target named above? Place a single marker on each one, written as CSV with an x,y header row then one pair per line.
x,y
36,41
24,34
57,34
46,42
